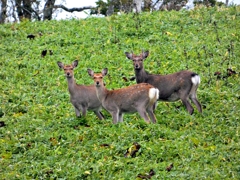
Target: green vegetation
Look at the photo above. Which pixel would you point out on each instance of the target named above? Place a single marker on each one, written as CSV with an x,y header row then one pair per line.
x,y
40,137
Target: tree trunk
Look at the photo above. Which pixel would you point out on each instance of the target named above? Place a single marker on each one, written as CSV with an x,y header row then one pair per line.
x,y
19,9
147,5
137,6
110,9
3,13
27,9
48,10
227,2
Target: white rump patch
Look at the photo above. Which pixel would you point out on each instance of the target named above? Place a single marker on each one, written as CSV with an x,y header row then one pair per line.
x,y
196,80
153,93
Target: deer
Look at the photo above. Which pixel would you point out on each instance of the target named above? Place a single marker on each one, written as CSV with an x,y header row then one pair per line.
x,y
181,85
135,98
82,97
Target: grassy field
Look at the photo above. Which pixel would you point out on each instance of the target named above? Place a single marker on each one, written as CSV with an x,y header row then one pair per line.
x,y
40,137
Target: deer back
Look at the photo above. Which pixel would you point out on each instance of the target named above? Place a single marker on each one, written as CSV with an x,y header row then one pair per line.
x,y
85,95
128,98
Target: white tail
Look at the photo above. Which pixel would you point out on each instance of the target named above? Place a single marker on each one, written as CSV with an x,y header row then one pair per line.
x,y
82,97
172,87
139,98
153,94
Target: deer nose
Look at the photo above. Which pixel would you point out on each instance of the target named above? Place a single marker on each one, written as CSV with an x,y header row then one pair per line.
x,y
97,83
136,66
68,73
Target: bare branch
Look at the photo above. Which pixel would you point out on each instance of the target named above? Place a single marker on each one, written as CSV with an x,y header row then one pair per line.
x,y
73,9
29,11
155,3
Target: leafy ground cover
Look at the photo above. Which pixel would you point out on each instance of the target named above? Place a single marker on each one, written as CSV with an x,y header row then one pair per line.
x,y
40,138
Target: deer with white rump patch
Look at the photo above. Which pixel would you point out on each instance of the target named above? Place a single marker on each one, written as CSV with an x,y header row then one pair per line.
x,y
82,97
136,98
172,87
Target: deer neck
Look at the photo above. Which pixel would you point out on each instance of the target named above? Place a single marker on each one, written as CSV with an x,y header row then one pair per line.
x,y
71,84
141,75
101,92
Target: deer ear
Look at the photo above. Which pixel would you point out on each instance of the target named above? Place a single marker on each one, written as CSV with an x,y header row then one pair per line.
x,y
60,64
75,63
90,72
104,71
145,54
129,55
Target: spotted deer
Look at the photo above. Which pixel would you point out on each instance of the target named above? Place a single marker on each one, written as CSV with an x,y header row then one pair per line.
x,y
172,87
82,97
136,98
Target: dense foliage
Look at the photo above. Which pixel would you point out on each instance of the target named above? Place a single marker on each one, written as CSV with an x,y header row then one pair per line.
x,y
40,137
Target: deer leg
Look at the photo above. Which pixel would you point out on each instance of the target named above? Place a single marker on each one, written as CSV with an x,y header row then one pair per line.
x,y
115,116
120,117
187,105
84,111
143,114
151,114
193,97
99,114
154,106
103,117
77,111
196,102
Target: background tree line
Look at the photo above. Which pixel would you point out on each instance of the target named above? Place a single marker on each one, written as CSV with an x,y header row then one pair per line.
x,y
18,10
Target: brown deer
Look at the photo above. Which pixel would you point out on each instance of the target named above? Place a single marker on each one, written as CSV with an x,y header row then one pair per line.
x,y
136,98
82,97
172,87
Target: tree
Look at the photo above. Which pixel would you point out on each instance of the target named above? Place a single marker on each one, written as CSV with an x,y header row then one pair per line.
x,y
17,10
3,13
48,10
122,6
24,9
137,6
169,5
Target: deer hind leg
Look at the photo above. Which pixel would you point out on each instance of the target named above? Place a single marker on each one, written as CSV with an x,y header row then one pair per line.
x,y
77,111
187,105
154,106
115,116
120,117
142,112
84,111
193,93
194,99
151,114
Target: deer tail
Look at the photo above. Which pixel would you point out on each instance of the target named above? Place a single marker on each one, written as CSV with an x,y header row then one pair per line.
x,y
153,95
195,79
